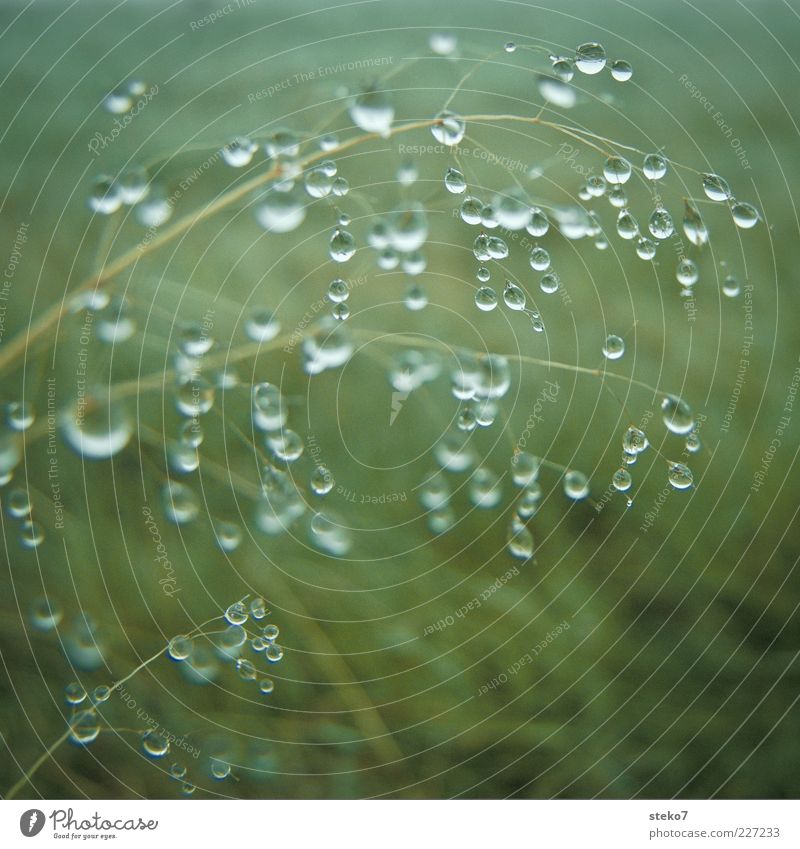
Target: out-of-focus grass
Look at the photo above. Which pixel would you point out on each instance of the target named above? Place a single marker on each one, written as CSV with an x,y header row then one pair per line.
x,y
679,670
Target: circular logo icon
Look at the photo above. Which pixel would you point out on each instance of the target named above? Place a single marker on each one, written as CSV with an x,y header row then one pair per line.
x,y
31,822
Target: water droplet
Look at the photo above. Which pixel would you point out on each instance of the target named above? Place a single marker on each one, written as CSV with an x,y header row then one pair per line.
x,y
590,58
269,408
341,312
538,224
262,325
274,652
576,485
519,541
74,693
556,91
539,259
677,415
485,298
45,614
660,224
614,347
645,248
449,128
373,112
621,70
627,226
239,151
680,476
564,69
513,296
443,43
745,215
285,445
31,534
180,647
342,245
321,480
509,47
327,346
471,210
281,212
634,441
155,744
179,503
716,187
525,468
228,535
454,181
730,286
687,273
693,225
104,197
549,283
95,427
416,297
84,727
318,182
655,166
621,480
282,144
485,490
266,686
617,170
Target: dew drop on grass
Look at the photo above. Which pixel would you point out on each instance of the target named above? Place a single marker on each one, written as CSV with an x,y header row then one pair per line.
x,y
31,534
621,480
84,727
74,693
525,468
514,297
730,286
634,441
448,128
342,245
485,298
745,215
556,91
96,428
262,325
716,187
321,480
519,540
621,70
341,312
590,58
576,485
680,476
687,273
539,259
239,151
281,212
617,170
627,226
373,112
654,166
228,535
614,347
269,408
660,224
180,647
179,503
454,181
45,614
677,415
155,744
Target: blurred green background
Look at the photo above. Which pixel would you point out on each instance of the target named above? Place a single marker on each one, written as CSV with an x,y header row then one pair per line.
x,y
678,675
